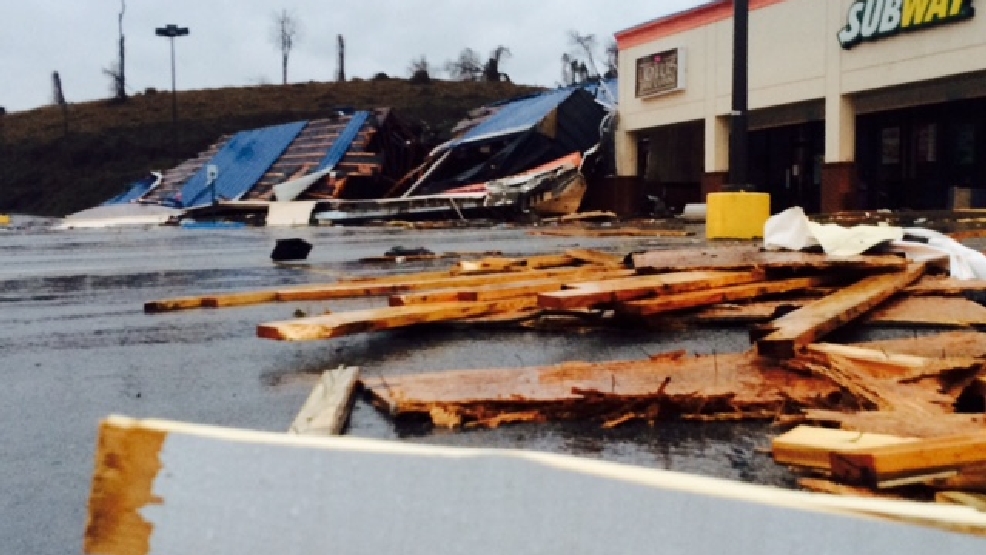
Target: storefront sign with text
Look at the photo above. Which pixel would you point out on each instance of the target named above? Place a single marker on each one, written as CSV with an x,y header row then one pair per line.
x,y
871,20
660,73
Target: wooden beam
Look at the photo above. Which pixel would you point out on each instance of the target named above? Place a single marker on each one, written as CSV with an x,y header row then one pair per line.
x,y
810,447
327,408
975,500
746,258
693,299
589,294
951,312
379,319
878,465
814,320
164,487
498,290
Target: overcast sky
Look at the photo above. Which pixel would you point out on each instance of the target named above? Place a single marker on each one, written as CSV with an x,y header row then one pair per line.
x,y
229,43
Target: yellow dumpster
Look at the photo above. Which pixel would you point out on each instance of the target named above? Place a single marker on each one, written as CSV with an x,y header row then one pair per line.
x,y
4,220
739,215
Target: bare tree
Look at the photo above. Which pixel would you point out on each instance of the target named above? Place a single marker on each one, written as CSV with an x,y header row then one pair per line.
x,y
341,43
116,71
58,97
284,34
467,68
420,71
491,71
585,47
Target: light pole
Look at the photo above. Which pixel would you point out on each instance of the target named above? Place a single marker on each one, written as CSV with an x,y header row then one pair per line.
x,y
739,123
172,31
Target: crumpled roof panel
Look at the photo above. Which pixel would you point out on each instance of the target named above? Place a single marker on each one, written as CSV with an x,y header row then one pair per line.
x,y
241,162
516,116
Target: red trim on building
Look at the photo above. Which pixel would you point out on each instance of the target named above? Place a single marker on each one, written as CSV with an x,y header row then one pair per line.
x,y
699,16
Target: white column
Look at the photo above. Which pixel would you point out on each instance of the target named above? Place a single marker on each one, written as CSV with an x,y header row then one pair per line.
x,y
716,144
626,153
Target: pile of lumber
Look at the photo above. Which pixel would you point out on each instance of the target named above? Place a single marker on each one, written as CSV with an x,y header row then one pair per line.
x,y
946,469
788,376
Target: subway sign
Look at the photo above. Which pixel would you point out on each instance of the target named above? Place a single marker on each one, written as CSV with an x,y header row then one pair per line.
x,y
871,20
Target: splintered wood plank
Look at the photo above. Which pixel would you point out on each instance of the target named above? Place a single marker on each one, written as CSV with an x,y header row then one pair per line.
x,y
596,257
682,301
735,384
747,257
892,462
810,447
818,318
163,487
589,294
937,285
930,311
499,290
378,319
818,485
240,299
327,408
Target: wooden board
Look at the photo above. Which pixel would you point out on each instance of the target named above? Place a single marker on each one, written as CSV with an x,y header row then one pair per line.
x,y
589,294
891,462
810,447
716,295
814,320
749,257
930,311
378,319
327,408
165,488
937,286
974,500
365,288
499,290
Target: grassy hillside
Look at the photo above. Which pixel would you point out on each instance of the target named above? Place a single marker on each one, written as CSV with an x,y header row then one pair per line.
x,y
45,171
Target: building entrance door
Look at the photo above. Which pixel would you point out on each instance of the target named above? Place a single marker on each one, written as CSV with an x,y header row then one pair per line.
x,y
786,162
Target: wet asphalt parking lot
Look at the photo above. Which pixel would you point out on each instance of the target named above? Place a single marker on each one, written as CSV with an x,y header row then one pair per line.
x,y
75,346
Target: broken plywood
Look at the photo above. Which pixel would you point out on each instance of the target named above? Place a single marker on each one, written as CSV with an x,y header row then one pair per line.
x,y
719,384
163,487
811,322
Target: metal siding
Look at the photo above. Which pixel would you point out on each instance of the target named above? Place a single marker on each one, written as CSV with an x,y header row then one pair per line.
x,y
242,162
137,190
516,117
345,140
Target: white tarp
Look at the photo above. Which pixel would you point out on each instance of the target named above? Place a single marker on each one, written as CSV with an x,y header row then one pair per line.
x,y
283,214
289,190
119,215
793,230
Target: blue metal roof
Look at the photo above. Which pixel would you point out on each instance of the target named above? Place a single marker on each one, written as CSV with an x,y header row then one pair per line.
x,y
516,117
241,162
345,140
137,190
